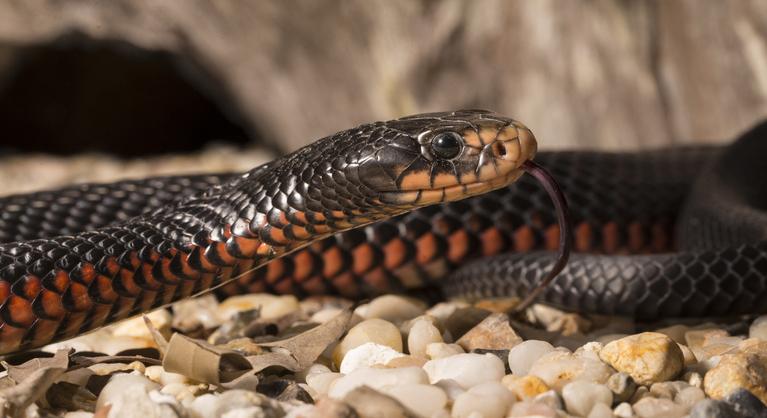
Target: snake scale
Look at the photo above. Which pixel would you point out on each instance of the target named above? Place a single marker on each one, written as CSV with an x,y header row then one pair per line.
x,y
380,208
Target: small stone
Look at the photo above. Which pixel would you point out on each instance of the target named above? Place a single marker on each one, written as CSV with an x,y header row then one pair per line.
x,y
497,305
462,319
667,390
327,408
136,327
466,369
648,357
698,339
376,379
658,408
451,388
394,308
196,313
550,398
368,402
747,404
179,391
601,410
367,355
624,410
641,393
370,330
688,355
735,371
489,400
524,354
580,396
532,409
693,379
325,315
76,414
320,382
689,396
758,328
622,386
119,384
557,368
271,306
710,408
493,333
441,350
423,400
675,332
406,361
524,387
422,333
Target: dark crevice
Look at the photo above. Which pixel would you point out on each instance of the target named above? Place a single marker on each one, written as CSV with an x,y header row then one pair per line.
x,y
78,94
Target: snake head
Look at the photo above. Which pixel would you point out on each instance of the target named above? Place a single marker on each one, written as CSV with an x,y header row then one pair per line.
x,y
438,157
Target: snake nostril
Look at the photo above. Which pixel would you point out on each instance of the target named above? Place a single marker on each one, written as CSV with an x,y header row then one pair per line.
x,y
499,150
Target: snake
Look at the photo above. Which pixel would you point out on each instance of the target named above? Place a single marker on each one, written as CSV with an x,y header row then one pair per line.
x,y
429,201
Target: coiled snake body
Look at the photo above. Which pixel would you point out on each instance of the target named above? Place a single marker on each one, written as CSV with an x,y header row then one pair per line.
x,y
651,243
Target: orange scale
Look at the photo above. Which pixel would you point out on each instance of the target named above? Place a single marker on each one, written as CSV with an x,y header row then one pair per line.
x,y
284,287
363,258
43,332
551,237
10,338
395,253
51,304
247,246
99,315
74,322
492,241
80,297
315,286
303,266
332,262
426,248
457,246
346,285
105,289
5,290
584,236
20,311
610,238
524,239
378,280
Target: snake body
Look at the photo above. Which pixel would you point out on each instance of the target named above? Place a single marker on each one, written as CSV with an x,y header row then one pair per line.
x,y
675,232
59,287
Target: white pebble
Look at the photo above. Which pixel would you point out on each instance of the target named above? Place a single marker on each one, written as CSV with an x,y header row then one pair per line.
x,y
120,383
489,400
557,368
320,382
423,400
371,330
375,379
601,410
758,328
532,409
441,350
624,410
658,408
367,355
393,308
524,354
422,334
581,396
467,369
204,406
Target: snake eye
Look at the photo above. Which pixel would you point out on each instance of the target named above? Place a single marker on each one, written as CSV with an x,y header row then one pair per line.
x,y
446,145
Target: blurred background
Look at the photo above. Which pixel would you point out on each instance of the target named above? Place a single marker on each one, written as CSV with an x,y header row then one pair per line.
x,y
96,90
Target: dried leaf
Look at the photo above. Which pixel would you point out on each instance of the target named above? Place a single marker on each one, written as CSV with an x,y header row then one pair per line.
x,y
203,362
159,339
14,400
307,346
21,372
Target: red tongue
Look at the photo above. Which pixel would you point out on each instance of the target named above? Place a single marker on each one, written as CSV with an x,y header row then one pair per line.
x,y
565,230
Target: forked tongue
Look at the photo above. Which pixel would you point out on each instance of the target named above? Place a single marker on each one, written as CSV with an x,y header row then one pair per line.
x,y
565,230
